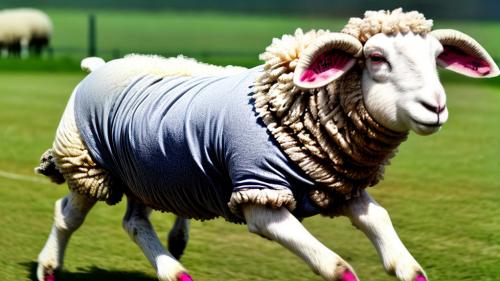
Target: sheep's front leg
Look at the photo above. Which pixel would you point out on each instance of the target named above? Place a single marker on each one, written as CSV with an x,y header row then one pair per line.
x,y
281,226
367,215
178,237
24,48
136,223
69,214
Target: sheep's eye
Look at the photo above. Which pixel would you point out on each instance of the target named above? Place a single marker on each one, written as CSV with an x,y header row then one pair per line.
x,y
377,58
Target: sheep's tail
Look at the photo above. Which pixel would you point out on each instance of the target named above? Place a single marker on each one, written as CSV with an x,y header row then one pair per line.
x,y
91,63
48,167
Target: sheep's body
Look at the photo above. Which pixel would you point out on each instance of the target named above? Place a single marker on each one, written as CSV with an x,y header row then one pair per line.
x,y
72,157
91,175
22,29
337,104
198,126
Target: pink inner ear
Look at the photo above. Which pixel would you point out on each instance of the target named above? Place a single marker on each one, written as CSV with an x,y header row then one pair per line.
x,y
454,59
327,66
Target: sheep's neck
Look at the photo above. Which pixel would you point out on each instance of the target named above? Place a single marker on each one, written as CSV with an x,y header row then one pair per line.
x,y
329,134
358,147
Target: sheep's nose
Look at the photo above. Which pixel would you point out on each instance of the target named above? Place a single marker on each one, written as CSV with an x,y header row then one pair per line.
x,y
433,108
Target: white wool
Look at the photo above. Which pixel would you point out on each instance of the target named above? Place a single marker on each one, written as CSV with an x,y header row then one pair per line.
x,y
13,29
288,48
91,63
180,65
37,21
21,25
387,22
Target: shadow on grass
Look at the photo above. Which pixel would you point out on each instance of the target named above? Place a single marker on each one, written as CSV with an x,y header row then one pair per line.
x,y
92,273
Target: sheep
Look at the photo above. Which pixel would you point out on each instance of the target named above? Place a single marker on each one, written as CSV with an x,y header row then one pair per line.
x,y
13,35
24,30
303,134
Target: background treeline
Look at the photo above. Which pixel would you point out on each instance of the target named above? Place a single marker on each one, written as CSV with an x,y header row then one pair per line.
x,y
459,9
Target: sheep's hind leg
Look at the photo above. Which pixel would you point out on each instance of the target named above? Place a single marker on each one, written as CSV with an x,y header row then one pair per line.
x,y
281,226
178,237
69,214
136,223
374,221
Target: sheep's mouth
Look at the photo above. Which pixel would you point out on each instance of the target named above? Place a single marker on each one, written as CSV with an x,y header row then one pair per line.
x,y
423,128
429,125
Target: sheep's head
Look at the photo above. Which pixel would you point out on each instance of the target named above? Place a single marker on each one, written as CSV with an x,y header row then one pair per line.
x,y
398,54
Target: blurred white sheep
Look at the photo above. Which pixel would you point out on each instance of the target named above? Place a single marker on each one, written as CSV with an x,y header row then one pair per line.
x,y
24,31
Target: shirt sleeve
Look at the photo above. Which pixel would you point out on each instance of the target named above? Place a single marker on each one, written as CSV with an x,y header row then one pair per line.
x,y
259,171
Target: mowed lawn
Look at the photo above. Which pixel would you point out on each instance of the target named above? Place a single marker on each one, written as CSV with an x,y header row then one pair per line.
x,y
442,191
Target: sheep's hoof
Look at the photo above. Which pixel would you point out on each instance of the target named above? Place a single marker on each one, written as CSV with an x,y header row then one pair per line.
x,y
183,276
50,277
46,273
343,272
349,276
420,278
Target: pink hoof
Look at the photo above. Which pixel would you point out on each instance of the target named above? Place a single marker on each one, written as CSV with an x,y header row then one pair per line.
x,y
348,276
183,276
421,278
50,277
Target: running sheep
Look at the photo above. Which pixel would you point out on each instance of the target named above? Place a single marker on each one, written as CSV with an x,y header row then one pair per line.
x,y
303,134
23,31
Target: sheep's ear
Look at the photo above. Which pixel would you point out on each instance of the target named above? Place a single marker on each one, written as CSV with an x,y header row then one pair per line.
x,y
464,55
325,60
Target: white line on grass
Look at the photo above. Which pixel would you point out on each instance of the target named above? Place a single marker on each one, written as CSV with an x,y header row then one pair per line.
x,y
19,177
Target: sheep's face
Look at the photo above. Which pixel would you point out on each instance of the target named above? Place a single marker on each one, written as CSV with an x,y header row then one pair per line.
x,y
400,84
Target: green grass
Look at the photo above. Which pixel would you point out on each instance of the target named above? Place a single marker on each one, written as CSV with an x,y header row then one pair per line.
x,y
209,36
165,32
442,192
212,37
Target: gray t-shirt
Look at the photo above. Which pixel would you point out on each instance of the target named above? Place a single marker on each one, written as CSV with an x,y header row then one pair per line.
x,y
184,144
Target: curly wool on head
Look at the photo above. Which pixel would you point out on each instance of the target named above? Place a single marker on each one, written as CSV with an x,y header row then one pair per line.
x,y
289,47
387,22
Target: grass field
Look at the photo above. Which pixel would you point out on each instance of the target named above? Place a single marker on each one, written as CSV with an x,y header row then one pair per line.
x,y
210,36
209,32
442,191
